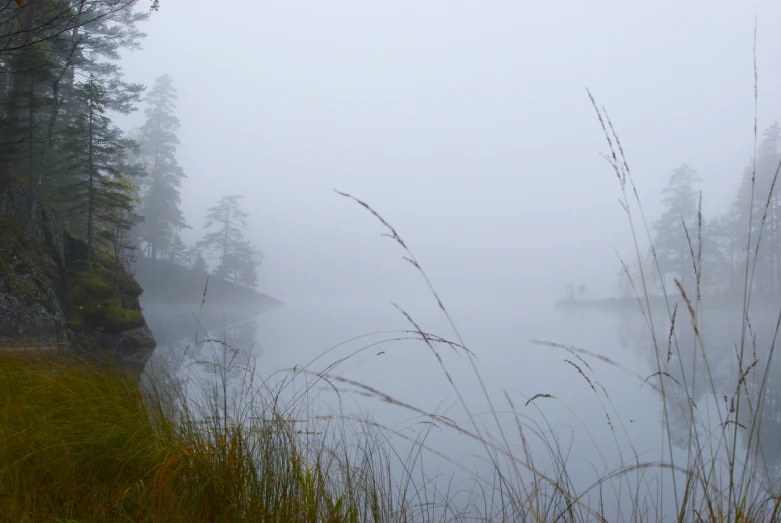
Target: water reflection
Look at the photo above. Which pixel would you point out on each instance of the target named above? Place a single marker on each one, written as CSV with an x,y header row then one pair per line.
x,y
713,373
407,371
213,356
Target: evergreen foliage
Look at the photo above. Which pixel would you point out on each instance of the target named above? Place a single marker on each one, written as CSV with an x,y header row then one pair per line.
x,y
238,258
690,246
677,225
160,193
93,182
59,81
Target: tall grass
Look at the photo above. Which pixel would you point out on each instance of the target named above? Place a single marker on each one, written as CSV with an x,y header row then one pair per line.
x,y
82,444
714,479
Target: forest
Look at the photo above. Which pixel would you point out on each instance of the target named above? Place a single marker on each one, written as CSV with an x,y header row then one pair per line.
x,y
61,86
707,254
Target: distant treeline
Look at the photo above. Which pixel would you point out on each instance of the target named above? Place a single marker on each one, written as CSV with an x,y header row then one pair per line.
x,y
690,247
165,282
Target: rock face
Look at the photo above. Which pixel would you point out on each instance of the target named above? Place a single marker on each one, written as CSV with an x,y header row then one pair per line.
x,y
105,323
32,273
133,347
48,295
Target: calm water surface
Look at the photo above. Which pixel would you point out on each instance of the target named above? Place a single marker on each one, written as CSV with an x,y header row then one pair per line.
x,y
598,423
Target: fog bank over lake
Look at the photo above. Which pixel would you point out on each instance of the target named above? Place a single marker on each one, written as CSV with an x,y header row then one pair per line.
x,y
468,128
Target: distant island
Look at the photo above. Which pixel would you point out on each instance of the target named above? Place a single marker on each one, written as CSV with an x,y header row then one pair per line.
x,y
167,283
613,303
177,300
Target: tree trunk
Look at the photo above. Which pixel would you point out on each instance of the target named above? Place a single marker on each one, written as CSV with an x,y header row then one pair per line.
x,y
225,239
56,103
8,131
732,261
30,131
67,92
4,74
156,182
91,193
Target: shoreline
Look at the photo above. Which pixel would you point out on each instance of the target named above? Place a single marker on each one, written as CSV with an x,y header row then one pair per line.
x,y
660,302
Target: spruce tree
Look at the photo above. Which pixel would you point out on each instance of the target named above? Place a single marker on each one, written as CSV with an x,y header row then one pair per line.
x,y
30,23
95,190
242,264
160,193
676,229
53,41
198,261
27,73
238,258
177,251
755,214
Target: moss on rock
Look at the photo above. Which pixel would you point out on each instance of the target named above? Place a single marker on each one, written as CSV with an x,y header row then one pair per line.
x,y
119,318
50,295
102,296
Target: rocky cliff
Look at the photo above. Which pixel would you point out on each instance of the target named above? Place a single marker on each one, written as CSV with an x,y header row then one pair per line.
x,y
32,272
49,297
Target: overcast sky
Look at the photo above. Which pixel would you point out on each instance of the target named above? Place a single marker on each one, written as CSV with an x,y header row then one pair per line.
x,y
465,124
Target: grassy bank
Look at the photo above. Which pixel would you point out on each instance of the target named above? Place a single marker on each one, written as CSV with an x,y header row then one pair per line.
x,y
84,445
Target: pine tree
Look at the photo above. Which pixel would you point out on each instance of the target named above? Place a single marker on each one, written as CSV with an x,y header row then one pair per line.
x,y
30,23
27,75
95,190
198,261
177,251
238,258
246,260
768,164
717,256
752,218
94,46
54,131
120,236
17,91
677,228
43,45
160,194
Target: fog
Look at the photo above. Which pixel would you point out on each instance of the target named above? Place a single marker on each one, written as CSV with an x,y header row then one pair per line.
x,y
467,127
441,260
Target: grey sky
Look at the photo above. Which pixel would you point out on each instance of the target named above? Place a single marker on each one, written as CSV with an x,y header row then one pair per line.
x,y
466,124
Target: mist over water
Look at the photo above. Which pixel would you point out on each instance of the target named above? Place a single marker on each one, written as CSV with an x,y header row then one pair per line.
x,y
469,129
598,430
401,261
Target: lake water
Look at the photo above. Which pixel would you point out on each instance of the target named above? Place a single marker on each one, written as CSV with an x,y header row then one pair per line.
x,y
601,416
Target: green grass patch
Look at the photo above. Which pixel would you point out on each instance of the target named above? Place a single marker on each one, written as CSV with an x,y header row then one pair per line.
x,y
82,444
